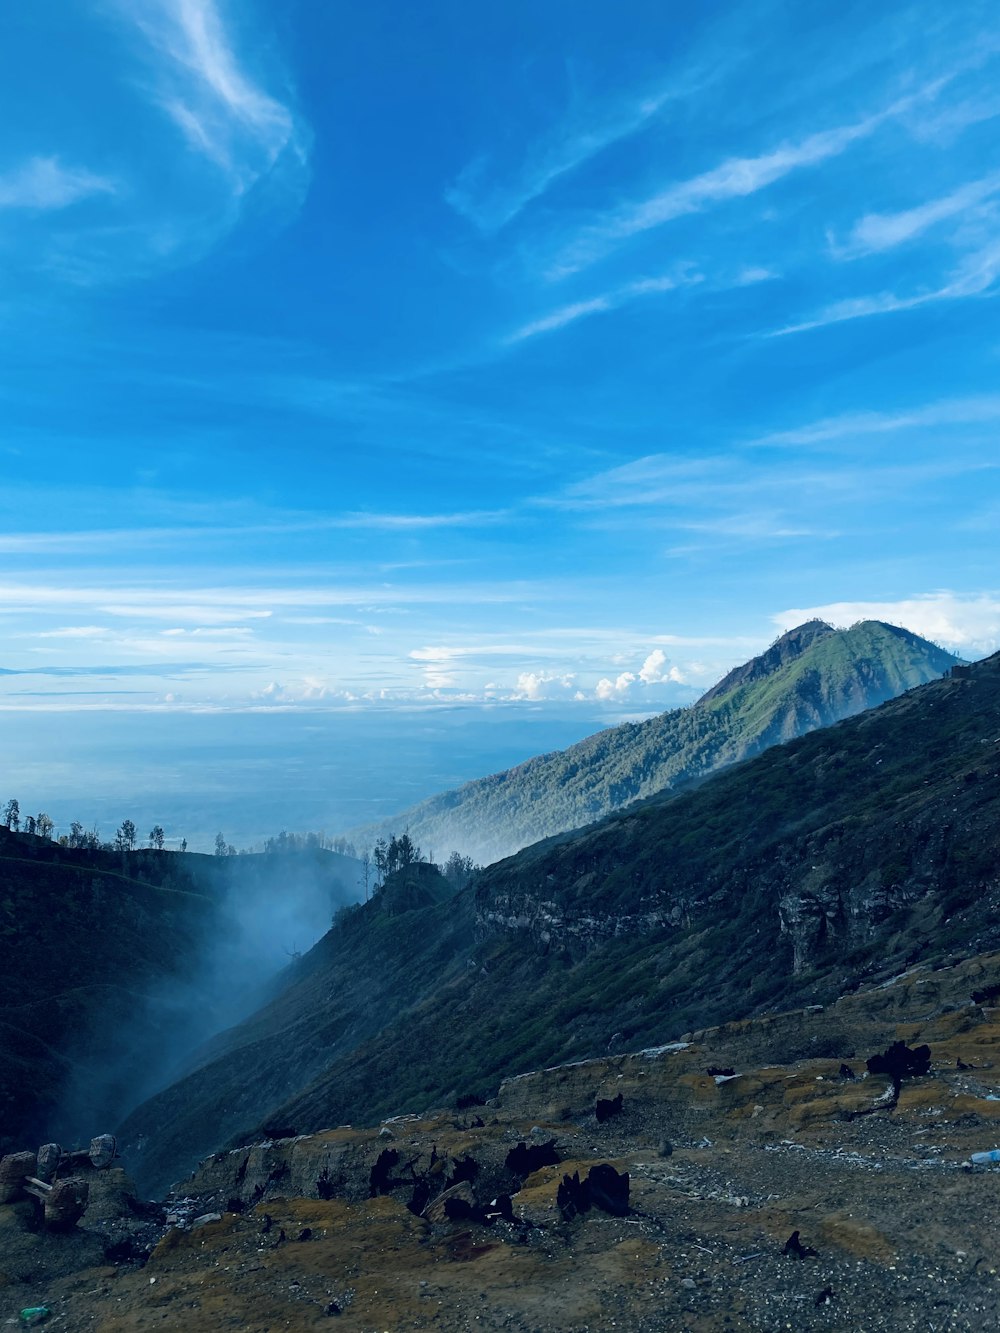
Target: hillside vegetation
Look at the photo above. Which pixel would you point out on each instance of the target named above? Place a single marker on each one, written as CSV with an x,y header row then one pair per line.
x,y
822,865
812,676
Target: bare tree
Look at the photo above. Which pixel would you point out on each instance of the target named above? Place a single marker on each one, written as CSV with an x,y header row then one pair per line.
x,y
125,837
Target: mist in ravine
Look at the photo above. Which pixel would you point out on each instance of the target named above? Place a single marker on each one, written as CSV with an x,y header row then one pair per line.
x,y
266,913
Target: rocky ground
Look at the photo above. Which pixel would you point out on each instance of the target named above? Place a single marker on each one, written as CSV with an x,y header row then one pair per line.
x,y
352,1228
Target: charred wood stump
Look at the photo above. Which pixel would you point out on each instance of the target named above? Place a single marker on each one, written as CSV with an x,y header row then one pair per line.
x,y
528,1158
609,1189
603,1188
457,1204
606,1108
572,1197
380,1179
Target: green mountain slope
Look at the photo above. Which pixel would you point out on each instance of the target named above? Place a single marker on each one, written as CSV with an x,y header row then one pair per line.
x,y
822,865
810,677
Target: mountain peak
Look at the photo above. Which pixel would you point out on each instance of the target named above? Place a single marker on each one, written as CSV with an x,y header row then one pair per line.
x,y
793,643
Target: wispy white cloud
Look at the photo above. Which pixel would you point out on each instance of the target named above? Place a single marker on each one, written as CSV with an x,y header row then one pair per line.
x,y
141,608
884,231
755,273
177,187
968,624
744,500
490,204
756,526
97,540
735,178
976,275
43,184
443,664
208,605
558,319
947,122
218,631
223,114
979,410
469,518
619,296
650,480
75,632
479,652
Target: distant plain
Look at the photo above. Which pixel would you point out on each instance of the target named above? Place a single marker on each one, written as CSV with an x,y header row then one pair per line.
x,y
251,774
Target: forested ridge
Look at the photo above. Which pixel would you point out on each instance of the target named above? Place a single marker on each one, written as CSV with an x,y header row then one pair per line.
x,y
808,678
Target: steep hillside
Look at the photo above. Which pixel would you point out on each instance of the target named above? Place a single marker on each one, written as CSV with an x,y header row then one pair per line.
x,y
111,962
383,958
812,676
833,861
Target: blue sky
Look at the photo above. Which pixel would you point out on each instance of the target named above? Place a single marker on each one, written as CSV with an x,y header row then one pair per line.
x,y
396,355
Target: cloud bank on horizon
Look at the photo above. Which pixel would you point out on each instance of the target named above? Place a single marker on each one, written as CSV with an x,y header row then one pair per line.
x,y
522,358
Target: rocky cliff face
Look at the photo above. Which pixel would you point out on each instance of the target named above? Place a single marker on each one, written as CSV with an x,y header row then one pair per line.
x,y
823,843
549,925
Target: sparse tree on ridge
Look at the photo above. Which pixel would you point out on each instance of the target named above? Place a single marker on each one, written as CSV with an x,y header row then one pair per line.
x,y
156,837
407,851
43,825
12,814
459,869
381,859
125,837
220,845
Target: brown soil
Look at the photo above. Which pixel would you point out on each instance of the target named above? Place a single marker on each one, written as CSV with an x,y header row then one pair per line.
x,y
902,1226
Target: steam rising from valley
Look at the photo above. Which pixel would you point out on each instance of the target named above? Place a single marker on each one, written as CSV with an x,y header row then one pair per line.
x,y
258,916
